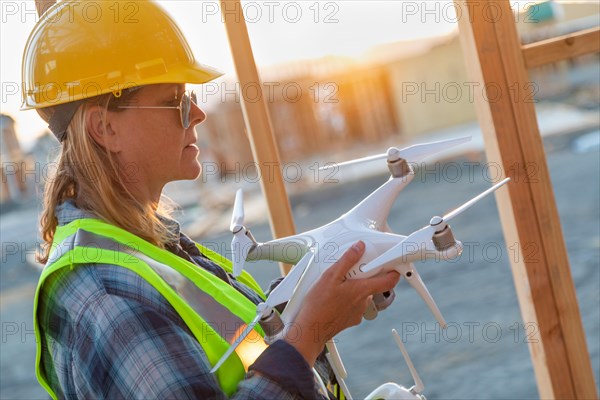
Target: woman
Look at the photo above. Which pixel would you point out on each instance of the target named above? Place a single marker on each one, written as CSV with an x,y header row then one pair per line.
x,y
128,306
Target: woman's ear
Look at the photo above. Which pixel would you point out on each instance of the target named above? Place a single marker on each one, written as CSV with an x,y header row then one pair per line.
x,y
98,125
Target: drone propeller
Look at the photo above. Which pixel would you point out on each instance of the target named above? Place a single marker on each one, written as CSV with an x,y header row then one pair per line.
x,y
237,219
457,211
440,223
412,154
279,295
242,241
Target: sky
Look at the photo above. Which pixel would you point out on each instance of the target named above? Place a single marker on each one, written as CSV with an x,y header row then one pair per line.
x,y
280,31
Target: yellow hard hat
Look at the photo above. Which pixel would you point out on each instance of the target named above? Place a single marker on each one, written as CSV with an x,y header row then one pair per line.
x,y
81,49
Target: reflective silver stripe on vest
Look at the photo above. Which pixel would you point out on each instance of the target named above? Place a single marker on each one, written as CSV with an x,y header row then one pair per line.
x,y
214,313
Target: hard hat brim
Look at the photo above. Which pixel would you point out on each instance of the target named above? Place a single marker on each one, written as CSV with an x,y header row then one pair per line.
x,y
196,73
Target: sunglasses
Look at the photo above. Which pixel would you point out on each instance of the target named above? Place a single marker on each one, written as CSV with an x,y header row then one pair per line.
x,y
184,107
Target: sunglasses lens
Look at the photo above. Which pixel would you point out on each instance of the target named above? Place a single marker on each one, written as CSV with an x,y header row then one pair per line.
x,y
186,108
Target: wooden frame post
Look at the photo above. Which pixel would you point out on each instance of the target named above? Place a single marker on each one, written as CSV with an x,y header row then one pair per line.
x,y
258,123
42,5
530,220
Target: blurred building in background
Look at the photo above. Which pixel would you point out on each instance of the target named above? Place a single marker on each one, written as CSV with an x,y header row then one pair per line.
x,y
403,89
23,173
12,163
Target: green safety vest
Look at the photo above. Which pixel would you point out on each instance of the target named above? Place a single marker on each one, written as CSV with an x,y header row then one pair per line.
x,y
196,295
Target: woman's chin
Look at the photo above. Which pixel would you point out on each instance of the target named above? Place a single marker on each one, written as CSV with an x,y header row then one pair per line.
x,y
192,172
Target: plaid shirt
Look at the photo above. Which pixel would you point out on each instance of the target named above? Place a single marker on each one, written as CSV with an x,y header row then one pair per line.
x,y
107,333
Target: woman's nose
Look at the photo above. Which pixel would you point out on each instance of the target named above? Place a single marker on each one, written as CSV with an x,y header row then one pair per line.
x,y
196,115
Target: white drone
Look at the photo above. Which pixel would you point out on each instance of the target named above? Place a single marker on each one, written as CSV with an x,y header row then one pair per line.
x,y
316,250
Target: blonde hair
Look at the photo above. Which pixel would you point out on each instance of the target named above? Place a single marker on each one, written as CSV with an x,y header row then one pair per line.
x,y
89,175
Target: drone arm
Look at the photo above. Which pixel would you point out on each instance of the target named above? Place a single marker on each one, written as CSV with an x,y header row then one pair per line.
x,y
287,250
412,248
376,207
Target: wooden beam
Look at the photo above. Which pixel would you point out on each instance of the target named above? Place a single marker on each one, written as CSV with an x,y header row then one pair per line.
x,y
5,196
42,5
562,47
258,123
530,221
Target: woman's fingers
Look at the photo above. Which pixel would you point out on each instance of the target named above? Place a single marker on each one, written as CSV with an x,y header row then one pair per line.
x,y
381,283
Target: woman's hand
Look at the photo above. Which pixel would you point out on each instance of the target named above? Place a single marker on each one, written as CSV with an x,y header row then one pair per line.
x,y
335,303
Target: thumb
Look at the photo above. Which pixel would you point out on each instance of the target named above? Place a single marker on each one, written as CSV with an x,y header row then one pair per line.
x,y
348,260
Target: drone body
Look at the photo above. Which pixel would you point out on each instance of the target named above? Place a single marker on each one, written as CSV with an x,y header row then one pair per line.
x,y
367,221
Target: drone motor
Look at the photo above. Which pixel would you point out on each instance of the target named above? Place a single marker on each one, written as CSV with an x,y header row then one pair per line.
x,y
397,165
443,238
272,325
